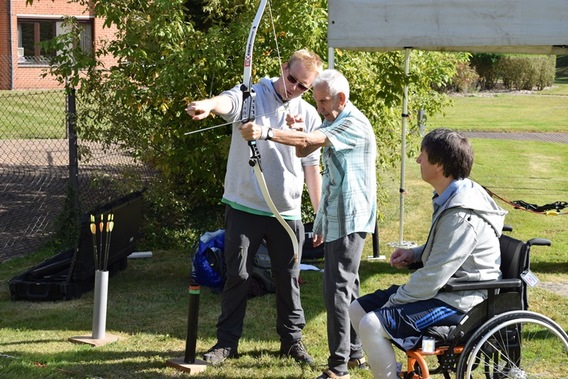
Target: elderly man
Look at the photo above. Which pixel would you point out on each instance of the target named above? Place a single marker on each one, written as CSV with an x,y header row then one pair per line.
x,y
347,210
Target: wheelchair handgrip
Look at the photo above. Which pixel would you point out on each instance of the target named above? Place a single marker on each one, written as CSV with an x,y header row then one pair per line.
x,y
539,242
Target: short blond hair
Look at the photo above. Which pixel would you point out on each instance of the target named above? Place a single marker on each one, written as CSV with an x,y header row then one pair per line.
x,y
311,60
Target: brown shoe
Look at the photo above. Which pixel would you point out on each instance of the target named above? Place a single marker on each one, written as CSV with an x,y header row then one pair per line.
x,y
359,363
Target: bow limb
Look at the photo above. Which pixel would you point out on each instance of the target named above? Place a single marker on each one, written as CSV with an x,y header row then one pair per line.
x,y
248,114
274,210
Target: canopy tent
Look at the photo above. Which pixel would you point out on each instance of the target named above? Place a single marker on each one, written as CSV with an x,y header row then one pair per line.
x,y
506,26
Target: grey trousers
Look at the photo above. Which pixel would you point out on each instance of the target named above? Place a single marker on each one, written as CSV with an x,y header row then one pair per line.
x,y
243,234
341,287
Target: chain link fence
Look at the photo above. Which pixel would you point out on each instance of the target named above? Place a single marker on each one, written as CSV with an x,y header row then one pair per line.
x,y
40,168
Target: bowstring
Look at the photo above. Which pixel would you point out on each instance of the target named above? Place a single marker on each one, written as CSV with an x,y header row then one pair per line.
x,y
286,104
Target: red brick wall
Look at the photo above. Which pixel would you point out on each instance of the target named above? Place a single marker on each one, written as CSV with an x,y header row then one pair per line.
x,y
102,34
30,77
4,45
4,27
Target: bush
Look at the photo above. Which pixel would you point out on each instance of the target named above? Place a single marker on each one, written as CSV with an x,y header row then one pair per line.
x,y
518,72
486,66
523,72
466,78
546,73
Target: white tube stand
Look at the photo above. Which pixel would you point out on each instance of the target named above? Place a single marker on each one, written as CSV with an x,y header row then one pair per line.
x,y
100,308
401,243
99,336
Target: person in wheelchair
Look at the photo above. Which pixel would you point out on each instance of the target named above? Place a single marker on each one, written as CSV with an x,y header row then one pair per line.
x,y
463,244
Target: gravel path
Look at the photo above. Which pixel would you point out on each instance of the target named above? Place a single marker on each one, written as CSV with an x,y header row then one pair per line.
x,y
559,288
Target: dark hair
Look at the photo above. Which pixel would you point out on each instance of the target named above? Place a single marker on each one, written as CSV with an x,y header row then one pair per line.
x,y
450,149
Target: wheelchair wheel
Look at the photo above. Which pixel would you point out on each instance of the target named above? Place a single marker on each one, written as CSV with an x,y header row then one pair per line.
x,y
515,345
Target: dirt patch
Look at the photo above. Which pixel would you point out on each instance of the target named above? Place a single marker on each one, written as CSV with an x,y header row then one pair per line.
x,y
559,288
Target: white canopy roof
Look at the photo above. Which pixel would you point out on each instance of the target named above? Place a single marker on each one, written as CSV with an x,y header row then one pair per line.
x,y
504,26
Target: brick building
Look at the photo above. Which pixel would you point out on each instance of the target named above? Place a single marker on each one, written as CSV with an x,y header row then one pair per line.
x,y
22,27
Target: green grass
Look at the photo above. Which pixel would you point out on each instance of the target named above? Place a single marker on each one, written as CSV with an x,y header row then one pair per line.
x,y
529,171
148,302
545,111
32,114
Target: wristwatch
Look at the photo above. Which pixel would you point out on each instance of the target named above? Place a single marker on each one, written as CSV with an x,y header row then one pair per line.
x,y
269,134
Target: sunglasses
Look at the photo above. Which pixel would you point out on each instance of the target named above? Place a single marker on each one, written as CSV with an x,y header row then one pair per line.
x,y
293,80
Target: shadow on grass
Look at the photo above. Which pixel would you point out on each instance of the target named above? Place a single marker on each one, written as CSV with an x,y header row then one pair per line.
x,y
563,79
132,364
550,267
561,69
151,296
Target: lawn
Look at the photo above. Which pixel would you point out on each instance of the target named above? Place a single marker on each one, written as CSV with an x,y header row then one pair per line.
x,y
42,113
545,111
148,302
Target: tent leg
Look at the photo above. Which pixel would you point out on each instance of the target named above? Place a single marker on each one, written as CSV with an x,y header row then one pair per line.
x,y
401,242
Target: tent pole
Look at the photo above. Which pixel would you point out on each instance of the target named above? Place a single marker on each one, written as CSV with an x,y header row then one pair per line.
x,y
401,242
330,57
403,144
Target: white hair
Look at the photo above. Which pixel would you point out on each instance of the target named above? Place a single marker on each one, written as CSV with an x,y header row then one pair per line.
x,y
335,82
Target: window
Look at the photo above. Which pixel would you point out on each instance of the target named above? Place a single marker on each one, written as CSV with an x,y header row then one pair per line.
x,y
32,32
86,37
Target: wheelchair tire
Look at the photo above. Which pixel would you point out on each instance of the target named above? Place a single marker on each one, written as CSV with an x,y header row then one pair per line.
x,y
516,345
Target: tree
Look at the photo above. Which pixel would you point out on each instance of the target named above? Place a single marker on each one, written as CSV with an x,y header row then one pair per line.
x,y
171,52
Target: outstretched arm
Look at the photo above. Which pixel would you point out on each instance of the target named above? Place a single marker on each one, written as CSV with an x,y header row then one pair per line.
x,y
200,109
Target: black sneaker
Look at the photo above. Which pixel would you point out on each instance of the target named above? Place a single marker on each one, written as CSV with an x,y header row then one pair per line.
x,y
332,374
297,351
217,355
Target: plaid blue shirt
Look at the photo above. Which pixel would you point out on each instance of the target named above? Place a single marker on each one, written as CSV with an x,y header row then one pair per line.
x,y
349,188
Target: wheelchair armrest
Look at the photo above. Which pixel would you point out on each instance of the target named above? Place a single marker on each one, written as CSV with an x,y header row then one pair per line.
x,y
454,285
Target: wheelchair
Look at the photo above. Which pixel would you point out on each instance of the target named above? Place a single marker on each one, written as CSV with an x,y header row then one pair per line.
x,y
499,338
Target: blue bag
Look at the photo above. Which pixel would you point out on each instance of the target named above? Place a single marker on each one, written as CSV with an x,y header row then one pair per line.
x,y
208,267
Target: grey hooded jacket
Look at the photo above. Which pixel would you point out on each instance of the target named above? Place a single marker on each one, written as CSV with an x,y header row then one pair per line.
x,y
463,245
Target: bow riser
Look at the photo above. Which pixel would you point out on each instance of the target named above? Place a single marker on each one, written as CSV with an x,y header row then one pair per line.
x,y
248,112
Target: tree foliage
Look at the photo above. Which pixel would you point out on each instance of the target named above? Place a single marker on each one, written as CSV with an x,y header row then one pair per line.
x,y
170,52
